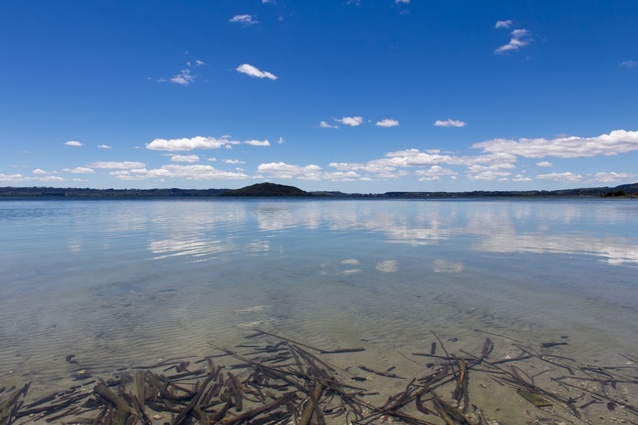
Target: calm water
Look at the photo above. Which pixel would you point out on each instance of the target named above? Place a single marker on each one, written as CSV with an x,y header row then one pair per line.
x,y
119,283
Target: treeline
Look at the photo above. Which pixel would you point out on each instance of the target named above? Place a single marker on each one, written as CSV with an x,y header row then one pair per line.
x,y
54,192
271,189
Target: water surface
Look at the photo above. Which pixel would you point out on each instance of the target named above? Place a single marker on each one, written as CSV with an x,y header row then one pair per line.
x,y
119,283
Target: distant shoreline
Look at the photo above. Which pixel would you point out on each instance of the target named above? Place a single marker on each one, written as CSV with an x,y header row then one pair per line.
x,y
282,191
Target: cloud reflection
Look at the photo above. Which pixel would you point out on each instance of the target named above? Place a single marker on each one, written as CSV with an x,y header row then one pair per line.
x,y
195,248
444,266
388,266
593,228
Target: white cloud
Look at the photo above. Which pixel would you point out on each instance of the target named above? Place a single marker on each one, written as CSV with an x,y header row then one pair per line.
x,y
104,146
185,158
184,144
616,142
503,24
73,143
449,123
481,167
287,171
124,165
325,124
244,19
256,142
489,172
521,178
544,164
629,64
11,177
567,177
54,179
39,171
184,78
281,141
281,170
200,142
199,62
520,38
79,170
613,177
255,72
434,173
402,1
387,123
188,172
233,161
351,121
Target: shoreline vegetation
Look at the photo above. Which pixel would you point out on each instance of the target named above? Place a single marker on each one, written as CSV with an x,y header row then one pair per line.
x,y
278,190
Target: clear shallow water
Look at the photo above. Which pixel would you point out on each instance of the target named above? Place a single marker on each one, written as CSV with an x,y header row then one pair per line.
x,y
119,283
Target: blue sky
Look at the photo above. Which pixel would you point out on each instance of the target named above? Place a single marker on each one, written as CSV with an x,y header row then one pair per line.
x,y
358,96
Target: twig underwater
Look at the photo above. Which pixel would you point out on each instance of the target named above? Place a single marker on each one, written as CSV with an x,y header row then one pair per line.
x,y
277,380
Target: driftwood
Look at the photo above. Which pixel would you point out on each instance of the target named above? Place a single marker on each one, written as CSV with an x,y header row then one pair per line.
x,y
284,382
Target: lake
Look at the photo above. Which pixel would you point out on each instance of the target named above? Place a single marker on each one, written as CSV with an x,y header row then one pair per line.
x,y
119,283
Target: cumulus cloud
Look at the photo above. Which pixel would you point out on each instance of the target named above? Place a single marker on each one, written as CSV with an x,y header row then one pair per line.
x,y
519,39
614,143
255,72
187,172
185,158
387,123
79,170
449,123
567,177
521,178
434,173
351,121
287,171
104,146
613,177
184,78
244,20
39,171
503,24
544,164
325,124
73,143
282,170
123,165
402,1
11,177
393,165
256,142
185,144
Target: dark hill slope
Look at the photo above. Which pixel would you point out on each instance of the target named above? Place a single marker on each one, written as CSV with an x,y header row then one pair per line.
x,y
267,189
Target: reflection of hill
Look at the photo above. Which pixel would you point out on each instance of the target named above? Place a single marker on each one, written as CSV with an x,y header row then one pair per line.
x,y
272,189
